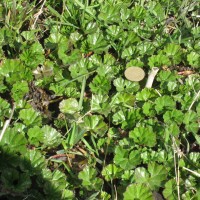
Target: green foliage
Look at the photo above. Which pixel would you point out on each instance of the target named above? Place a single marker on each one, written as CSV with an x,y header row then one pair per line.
x,y
126,85
100,85
72,126
95,124
15,140
9,176
137,191
89,179
69,106
51,137
164,103
30,117
111,172
126,158
33,55
56,187
33,162
143,136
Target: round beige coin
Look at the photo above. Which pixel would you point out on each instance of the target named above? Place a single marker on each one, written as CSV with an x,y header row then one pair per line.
x,y
134,73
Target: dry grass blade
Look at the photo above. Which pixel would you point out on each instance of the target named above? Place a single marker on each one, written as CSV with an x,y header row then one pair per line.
x,y
7,123
36,16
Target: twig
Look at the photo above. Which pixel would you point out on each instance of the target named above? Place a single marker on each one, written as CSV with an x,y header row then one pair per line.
x,y
193,172
195,98
7,122
151,77
176,167
38,14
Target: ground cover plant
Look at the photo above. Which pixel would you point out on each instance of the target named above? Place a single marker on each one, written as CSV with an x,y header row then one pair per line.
x,y
72,126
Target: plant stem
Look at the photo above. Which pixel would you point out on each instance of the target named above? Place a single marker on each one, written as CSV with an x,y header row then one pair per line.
x,y
151,77
195,98
7,123
82,93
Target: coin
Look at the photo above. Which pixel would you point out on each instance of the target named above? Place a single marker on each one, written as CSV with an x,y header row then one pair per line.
x,y
134,73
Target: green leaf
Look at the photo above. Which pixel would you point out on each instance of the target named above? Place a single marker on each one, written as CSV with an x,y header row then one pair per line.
x,y
119,117
65,87
127,118
51,137
97,42
158,11
148,109
54,38
106,67
172,129
100,104
138,191
35,135
123,85
80,68
100,85
127,159
67,194
169,192
114,31
141,175
173,116
65,52
14,71
75,135
189,117
191,121
109,13
10,157
146,94
95,124
172,86
158,61
89,179
136,62
143,136
47,136
14,181
19,90
29,35
69,106
128,175
123,99
54,187
164,103
111,172
165,76
4,108
194,128
33,162
173,52
30,117
139,12
33,55
89,28
128,39
14,139
194,59
71,58
145,48
158,175
129,52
